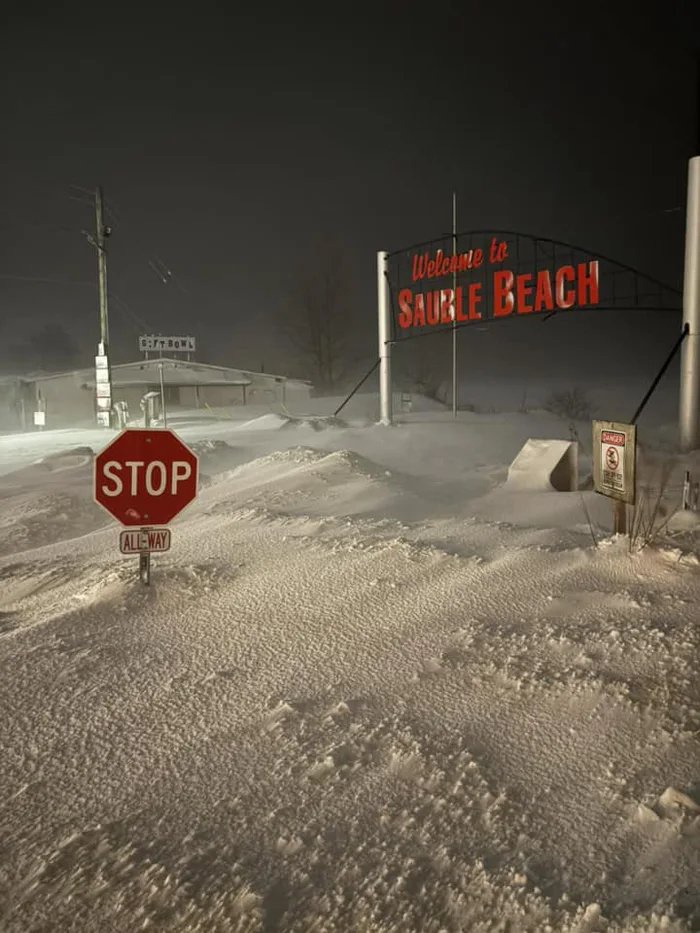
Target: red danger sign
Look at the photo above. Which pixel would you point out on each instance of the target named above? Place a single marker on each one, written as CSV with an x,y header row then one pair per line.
x,y
612,437
145,477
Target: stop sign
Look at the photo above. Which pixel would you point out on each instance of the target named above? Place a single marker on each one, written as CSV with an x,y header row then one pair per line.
x,y
145,477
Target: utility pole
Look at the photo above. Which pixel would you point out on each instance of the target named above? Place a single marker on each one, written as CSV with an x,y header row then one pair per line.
x,y
102,232
103,374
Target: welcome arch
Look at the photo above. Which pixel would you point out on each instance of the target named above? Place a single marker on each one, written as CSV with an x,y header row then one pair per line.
x,y
487,275
484,276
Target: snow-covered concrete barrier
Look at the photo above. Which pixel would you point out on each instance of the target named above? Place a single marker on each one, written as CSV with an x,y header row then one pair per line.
x,y
545,465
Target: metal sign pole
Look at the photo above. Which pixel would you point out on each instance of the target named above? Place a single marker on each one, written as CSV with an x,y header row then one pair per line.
x,y
619,517
162,397
384,314
144,558
689,403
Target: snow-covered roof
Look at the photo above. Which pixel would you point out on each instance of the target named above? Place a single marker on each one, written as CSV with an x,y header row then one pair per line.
x,y
175,372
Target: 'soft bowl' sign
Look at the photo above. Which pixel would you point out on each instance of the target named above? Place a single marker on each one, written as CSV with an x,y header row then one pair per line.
x,y
145,477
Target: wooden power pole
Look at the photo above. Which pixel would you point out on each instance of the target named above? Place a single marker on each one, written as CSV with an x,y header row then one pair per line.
x,y
102,232
103,374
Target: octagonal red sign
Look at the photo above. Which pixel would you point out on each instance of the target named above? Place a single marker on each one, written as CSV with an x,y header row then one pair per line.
x,y
145,476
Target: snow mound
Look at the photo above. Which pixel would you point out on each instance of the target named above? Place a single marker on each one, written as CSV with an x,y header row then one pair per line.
x,y
49,501
673,800
316,423
345,461
684,520
34,521
75,462
292,455
68,459
340,464
354,463
202,448
269,422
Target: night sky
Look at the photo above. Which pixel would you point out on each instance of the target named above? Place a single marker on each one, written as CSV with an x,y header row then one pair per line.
x,y
233,146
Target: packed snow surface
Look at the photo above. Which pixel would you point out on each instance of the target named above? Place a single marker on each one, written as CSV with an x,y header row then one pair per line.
x,y
370,688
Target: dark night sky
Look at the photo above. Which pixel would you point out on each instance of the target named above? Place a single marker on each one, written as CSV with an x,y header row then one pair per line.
x,y
231,144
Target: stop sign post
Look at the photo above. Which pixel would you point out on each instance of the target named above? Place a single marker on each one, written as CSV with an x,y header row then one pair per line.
x,y
145,477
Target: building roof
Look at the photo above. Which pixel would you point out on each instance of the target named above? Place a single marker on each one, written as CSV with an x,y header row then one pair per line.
x,y
175,372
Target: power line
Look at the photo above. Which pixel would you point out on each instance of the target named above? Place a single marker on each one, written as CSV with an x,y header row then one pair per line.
x,y
127,318
44,280
153,261
54,228
144,325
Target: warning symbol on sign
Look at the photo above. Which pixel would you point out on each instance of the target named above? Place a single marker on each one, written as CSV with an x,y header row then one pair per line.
x,y
612,458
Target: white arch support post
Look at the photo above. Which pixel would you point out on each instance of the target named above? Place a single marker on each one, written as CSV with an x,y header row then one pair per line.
x,y
689,407
384,321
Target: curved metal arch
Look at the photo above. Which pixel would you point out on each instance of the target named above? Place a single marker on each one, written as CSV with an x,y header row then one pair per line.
x,y
618,286
537,239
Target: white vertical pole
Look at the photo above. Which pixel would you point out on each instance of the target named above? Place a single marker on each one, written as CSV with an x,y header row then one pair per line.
x,y
384,322
454,308
162,397
689,407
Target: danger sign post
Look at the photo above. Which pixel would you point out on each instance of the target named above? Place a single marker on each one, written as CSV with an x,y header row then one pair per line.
x,y
614,459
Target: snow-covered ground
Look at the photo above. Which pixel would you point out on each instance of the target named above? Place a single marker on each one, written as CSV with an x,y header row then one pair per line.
x,y
372,687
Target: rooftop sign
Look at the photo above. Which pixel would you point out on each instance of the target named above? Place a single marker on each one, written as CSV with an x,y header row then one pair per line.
x,y
151,342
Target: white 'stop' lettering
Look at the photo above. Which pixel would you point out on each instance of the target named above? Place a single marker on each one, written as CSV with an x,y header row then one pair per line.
x,y
155,478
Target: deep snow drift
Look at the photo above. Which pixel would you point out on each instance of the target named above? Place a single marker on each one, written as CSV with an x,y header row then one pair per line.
x,y
370,688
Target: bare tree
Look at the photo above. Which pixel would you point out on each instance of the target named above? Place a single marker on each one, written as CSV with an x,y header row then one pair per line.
x,y
49,347
317,320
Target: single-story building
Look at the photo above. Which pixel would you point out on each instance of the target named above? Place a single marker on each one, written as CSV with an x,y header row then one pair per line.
x,y
68,398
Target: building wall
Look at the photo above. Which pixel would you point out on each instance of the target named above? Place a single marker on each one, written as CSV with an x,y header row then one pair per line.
x,y
66,399
276,389
132,395
181,397
222,396
69,401
296,394
16,406
189,397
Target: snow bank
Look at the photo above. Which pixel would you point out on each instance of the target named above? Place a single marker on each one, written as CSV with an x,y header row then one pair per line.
x,y
267,422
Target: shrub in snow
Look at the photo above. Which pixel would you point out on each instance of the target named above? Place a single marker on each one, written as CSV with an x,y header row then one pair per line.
x,y
657,500
571,403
